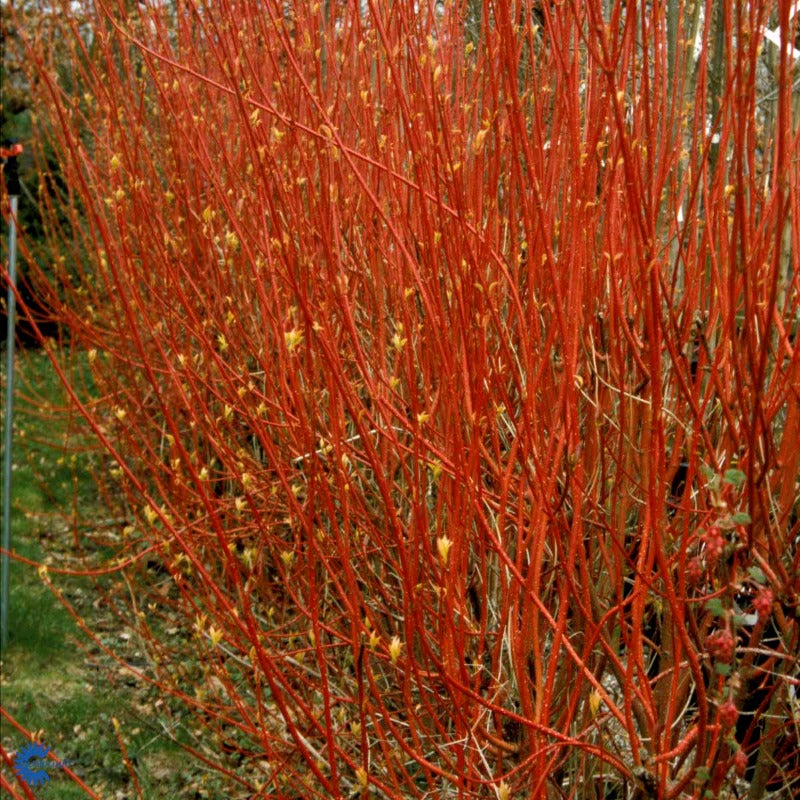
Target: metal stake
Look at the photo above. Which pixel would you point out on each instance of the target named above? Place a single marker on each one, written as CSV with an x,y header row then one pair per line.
x,y
11,170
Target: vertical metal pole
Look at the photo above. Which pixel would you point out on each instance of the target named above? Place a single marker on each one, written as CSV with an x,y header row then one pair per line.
x,y
13,188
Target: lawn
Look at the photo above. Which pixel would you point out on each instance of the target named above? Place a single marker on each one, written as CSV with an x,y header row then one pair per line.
x,y
56,681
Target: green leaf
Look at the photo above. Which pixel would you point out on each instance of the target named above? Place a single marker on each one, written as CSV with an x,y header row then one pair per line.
x,y
757,575
702,774
714,605
722,669
735,477
711,477
708,473
741,518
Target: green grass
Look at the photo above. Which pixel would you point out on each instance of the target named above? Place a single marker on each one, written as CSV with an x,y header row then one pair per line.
x,y
42,677
54,680
44,483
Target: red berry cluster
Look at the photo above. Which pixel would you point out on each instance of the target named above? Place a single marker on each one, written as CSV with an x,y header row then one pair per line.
x,y
694,571
728,714
740,762
714,542
721,645
762,603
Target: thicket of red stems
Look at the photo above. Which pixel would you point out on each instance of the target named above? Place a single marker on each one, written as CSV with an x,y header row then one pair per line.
x,y
447,373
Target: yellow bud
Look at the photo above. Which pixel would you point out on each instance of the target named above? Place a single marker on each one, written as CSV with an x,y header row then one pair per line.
x,y
443,545
395,648
362,777
594,703
293,339
216,635
480,138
